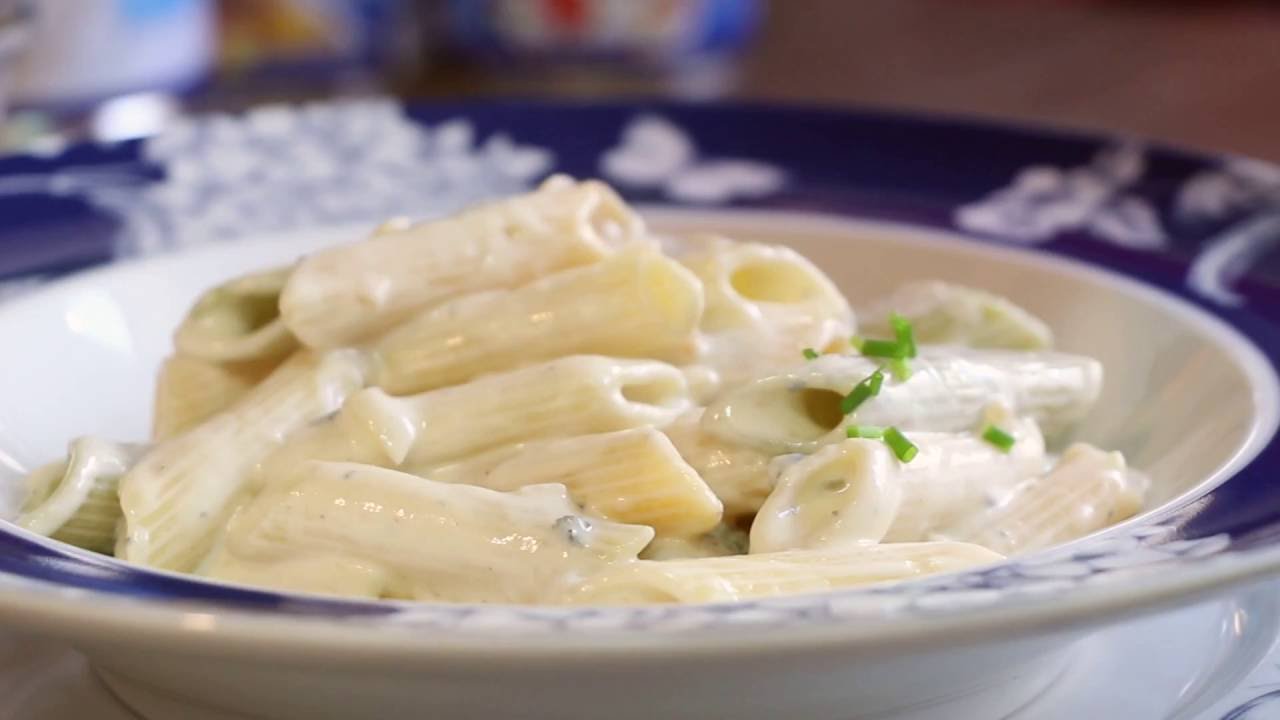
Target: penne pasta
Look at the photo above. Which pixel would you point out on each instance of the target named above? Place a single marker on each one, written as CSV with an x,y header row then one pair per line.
x,y
434,541
536,401
632,476
345,294
703,380
844,494
1087,490
177,498
576,395
948,391
857,491
959,475
310,573
764,303
946,314
391,225
740,476
726,579
747,283
190,390
74,500
643,305
238,321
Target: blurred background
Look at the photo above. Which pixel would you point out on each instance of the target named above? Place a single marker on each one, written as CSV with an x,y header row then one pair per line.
x,y
1205,73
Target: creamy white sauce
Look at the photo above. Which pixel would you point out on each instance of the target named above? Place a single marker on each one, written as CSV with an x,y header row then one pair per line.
x,y
427,540
724,540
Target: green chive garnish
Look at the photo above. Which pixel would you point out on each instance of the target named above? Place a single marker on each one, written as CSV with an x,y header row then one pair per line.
x,y
883,349
810,354
900,445
869,387
875,380
903,332
900,368
870,432
895,352
1001,439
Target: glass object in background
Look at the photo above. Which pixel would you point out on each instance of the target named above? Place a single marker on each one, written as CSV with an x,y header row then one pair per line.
x,y
685,47
86,50
107,69
118,69
15,23
83,51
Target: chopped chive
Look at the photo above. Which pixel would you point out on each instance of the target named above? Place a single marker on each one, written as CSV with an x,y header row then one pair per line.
x,y
883,349
875,380
810,354
903,331
1001,439
867,388
864,431
900,445
900,368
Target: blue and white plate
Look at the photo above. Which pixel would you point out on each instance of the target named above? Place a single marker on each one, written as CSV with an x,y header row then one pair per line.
x,y
1162,262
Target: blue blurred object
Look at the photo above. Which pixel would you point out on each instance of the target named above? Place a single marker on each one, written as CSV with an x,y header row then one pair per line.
x,y
628,31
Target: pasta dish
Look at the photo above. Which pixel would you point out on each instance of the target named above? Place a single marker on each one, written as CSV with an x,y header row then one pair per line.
x,y
537,400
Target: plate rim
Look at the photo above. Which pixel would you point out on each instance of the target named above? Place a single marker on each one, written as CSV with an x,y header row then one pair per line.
x,y
1046,617
1262,562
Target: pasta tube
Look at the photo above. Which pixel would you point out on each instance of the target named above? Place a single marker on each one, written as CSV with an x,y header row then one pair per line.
x,y
726,579
1087,490
704,382
740,476
637,303
798,410
74,500
238,321
956,475
631,476
858,491
576,395
179,495
398,223
341,295
843,494
944,313
190,390
764,303
313,573
435,541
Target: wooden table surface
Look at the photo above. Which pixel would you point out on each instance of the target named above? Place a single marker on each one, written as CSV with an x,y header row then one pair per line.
x,y
1204,74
